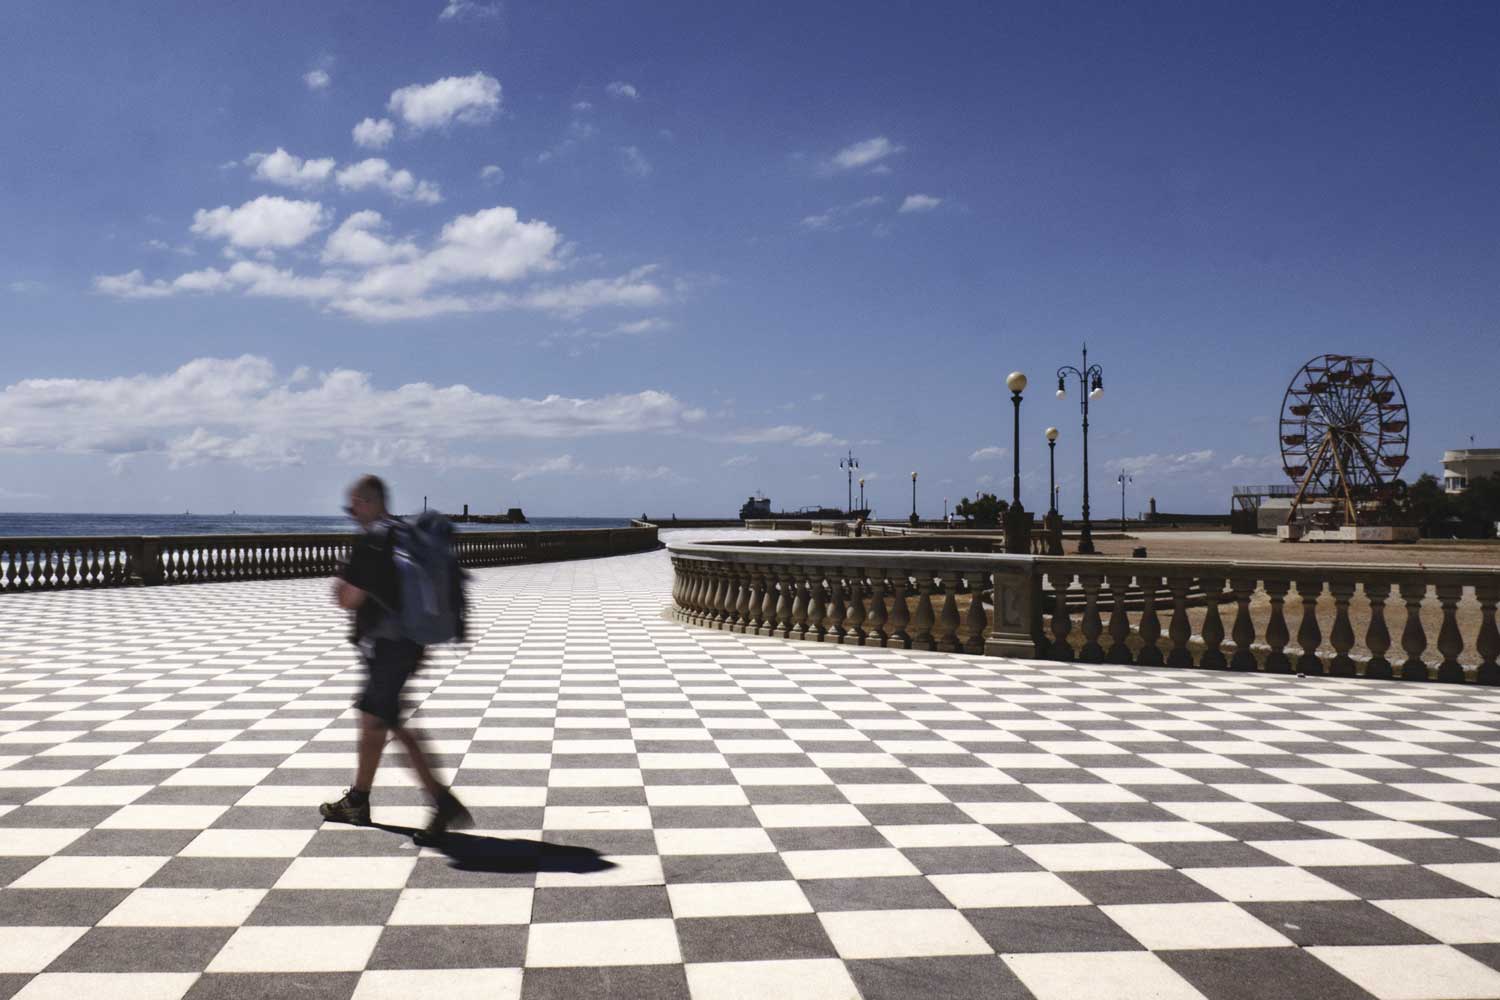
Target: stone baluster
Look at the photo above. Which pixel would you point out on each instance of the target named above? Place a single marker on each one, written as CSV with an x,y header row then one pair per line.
x,y
731,613
817,611
781,623
698,597
875,620
1062,622
1213,626
768,603
922,621
1342,635
1377,635
1450,641
1179,629
1487,643
716,611
974,621
856,632
1413,635
1091,625
900,613
836,607
1119,619
946,636
755,601
1150,627
1309,634
798,577
1277,635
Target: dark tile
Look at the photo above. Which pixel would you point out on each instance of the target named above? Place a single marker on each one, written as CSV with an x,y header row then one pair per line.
x,y
765,795
1336,922
11,984
906,893
1050,928
1209,854
826,838
143,949
52,817
274,986
953,860
638,982
1447,851
724,868
312,907
445,873
357,842
144,843
1394,881
268,818
904,815
192,795
1121,812
605,841
1260,974
1047,833
600,903
1489,954
57,907
1105,888
597,796
747,939
702,817
485,947
219,873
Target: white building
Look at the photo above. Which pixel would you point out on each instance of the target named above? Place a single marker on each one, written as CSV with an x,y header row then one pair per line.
x,y
1461,466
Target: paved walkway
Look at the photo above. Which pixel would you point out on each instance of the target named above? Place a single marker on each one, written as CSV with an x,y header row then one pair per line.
x,y
666,811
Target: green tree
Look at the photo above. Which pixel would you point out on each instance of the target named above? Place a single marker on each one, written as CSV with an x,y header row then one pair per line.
x,y
984,511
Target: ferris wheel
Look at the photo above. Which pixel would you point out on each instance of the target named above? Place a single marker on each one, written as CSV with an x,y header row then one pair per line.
x,y
1344,433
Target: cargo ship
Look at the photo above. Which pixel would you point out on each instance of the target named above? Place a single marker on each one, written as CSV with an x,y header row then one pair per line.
x,y
759,509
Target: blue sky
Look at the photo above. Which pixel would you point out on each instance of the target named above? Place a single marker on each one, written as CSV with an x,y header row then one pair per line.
x,y
720,245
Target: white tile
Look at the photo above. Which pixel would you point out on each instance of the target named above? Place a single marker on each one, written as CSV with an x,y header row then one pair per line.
x,y
1272,883
887,934
19,842
91,795
1450,791
1090,857
977,890
804,979
1420,812
1107,975
296,949
1274,793
1413,971
89,873
714,840
1161,832
346,873
500,905
962,776
625,869
777,776
218,776
162,817
1163,926
695,795
1326,852
1017,812
594,777
902,793
1451,921
1375,829
597,818
247,844
184,908
439,984
1090,791
872,862
809,815
603,942
114,985
1481,875
736,899
32,949
1222,812
941,835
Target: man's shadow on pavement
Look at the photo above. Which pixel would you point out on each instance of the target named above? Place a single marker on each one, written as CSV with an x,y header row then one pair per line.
x,y
472,853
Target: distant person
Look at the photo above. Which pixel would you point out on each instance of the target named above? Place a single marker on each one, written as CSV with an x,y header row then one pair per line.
x,y
369,585
859,527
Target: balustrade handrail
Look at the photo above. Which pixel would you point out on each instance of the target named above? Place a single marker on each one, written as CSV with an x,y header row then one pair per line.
x,y
29,563
837,591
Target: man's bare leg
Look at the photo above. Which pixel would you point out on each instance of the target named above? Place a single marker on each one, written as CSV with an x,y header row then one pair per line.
x,y
417,760
372,736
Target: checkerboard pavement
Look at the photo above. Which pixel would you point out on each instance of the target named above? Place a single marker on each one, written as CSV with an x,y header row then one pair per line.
x,y
770,818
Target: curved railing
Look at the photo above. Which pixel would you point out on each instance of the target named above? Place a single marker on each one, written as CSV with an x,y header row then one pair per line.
x,y
28,564
1147,612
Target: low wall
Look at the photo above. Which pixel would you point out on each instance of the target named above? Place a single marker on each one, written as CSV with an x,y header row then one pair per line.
x,y
28,564
1024,606
687,522
780,524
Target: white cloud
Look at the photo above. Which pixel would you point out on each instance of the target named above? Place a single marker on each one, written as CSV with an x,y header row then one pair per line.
x,y
622,90
583,107
793,434
26,286
317,79
1254,462
372,134
241,410
567,465
919,203
377,173
988,453
493,244
631,289
471,100
864,154
131,285
491,174
840,216
635,161
356,241
455,10
267,221
288,170
736,461
1185,463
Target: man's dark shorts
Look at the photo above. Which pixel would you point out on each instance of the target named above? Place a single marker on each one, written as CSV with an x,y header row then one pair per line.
x,y
388,665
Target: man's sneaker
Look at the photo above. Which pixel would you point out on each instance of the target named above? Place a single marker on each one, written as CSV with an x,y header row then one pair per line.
x,y
353,808
447,812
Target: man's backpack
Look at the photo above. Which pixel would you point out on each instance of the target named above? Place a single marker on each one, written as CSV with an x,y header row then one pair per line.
x,y
433,604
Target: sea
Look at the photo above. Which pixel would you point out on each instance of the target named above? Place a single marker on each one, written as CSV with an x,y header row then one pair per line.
x,y
67,525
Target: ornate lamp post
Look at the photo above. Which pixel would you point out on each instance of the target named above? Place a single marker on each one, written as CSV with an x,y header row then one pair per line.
x,y
849,464
861,492
1052,466
1090,387
1017,521
913,499
1122,479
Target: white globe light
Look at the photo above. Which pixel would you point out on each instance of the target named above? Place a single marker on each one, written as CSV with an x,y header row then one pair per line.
x,y
1051,433
1098,391
1062,394
1015,381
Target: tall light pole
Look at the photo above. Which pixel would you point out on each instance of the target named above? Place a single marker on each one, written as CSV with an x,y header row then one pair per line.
x,y
945,509
1122,480
1090,387
913,499
849,464
1017,521
1052,466
861,492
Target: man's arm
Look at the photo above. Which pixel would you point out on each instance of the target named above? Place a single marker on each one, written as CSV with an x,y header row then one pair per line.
x,y
348,595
